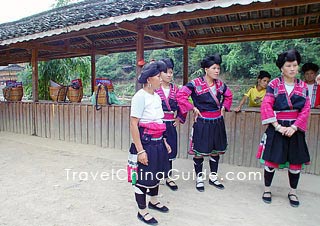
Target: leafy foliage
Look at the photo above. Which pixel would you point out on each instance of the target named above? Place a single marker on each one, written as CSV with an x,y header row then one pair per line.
x,y
117,66
60,71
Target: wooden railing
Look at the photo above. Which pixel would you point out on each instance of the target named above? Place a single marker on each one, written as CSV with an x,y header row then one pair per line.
x,y
109,127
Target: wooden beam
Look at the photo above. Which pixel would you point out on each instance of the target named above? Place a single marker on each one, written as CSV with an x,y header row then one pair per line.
x,y
244,22
154,34
49,56
166,30
131,46
81,33
229,10
35,77
140,53
182,27
271,31
87,39
84,42
258,38
62,49
266,34
185,64
93,72
113,37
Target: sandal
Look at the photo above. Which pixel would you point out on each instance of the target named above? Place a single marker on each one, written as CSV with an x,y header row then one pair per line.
x,y
293,203
156,206
172,185
265,198
151,221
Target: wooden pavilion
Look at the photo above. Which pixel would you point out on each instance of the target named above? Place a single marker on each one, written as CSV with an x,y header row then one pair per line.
x,y
9,72
94,27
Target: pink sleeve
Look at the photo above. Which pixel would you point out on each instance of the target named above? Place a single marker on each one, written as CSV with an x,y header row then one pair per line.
x,y
180,116
227,99
302,119
183,100
267,113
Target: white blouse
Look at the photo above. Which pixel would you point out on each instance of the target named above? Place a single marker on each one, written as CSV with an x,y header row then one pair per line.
x,y
147,107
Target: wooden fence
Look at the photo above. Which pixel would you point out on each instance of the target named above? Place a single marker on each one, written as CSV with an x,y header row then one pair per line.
x,y
109,128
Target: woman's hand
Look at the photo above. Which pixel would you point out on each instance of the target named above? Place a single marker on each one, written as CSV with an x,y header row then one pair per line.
x,y
237,109
286,131
281,130
196,113
290,131
176,122
223,110
167,145
143,157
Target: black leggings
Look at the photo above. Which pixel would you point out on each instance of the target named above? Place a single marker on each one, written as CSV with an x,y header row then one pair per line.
x,y
293,177
141,192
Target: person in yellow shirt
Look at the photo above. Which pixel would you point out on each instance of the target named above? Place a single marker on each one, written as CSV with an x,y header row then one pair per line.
x,y
256,94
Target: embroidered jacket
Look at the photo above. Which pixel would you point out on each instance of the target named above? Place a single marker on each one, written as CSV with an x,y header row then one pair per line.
x,y
203,97
278,100
170,104
315,96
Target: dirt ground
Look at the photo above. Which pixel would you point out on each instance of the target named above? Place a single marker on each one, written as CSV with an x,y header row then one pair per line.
x,y
54,183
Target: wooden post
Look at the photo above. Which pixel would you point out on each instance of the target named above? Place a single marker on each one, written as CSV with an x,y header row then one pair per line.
x,y
35,88
35,77
93,71
185,63
140,53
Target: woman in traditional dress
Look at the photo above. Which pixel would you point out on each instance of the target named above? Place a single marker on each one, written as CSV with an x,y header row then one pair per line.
x,y
172,114
285,109
151,148
211,98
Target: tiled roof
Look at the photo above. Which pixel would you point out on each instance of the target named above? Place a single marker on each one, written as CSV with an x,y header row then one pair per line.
x,y
82,12
11,67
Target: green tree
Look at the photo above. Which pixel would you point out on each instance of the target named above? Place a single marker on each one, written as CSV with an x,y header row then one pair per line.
x,y
61,71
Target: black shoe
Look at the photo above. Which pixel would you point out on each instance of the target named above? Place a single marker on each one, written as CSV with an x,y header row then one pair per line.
x,y
217,184
266,199
151,221
293,203
172,185
200,184
162,209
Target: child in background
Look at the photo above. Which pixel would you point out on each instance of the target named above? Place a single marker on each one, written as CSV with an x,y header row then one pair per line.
x,y
256,93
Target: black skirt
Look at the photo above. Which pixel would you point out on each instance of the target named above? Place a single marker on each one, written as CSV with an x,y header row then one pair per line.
x,y
209,136
285,150
158,163
171,133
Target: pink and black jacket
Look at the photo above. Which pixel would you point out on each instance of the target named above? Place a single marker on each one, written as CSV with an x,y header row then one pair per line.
x,y
203,98
170,104
278,105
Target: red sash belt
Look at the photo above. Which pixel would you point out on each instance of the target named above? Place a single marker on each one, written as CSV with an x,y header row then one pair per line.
x,y
284,115
168,116
210,114
154,129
